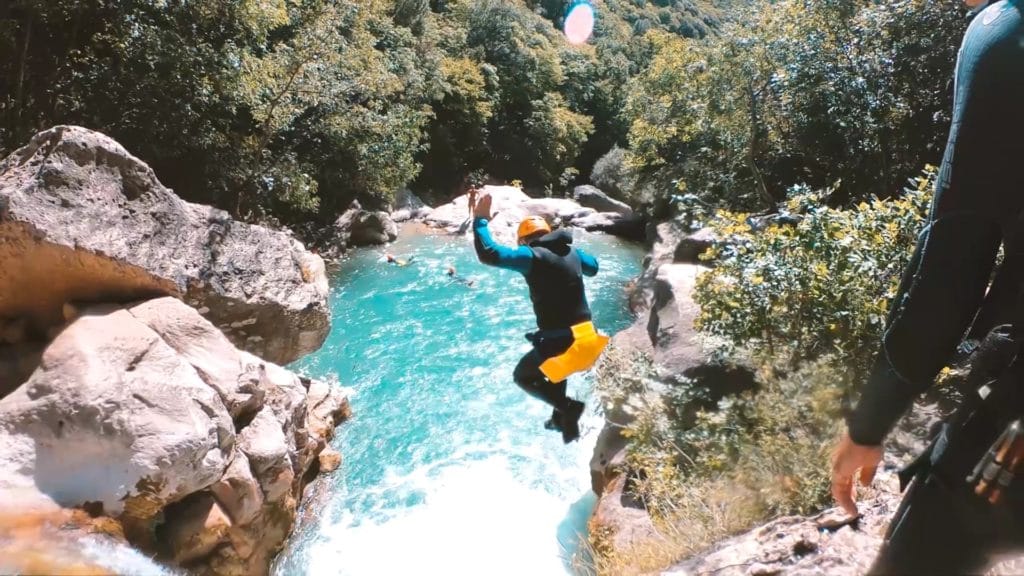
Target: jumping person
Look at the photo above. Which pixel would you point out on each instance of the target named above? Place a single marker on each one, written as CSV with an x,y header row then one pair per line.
x,y
566,341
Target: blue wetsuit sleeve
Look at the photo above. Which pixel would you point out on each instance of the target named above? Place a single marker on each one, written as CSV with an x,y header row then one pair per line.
x,y
519,259
588,262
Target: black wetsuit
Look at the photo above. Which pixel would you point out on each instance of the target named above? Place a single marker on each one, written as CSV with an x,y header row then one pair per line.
x,y
554,272
977,207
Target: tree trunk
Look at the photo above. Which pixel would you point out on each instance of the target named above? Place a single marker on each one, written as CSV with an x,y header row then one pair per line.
x,y
19,86
752,147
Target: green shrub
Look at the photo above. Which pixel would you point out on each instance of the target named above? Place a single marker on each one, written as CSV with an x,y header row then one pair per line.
x,y
820,286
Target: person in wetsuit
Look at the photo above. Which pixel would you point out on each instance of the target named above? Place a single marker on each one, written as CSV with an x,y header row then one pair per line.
x,y
977,207
565,341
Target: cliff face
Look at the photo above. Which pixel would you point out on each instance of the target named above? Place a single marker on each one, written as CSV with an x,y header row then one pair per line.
x,y
157,420
82,220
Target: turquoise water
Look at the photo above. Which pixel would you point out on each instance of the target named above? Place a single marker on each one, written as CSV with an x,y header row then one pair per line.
x,y
447,468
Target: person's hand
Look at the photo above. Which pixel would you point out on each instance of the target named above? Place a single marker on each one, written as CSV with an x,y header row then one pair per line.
x,y
847,459
483,207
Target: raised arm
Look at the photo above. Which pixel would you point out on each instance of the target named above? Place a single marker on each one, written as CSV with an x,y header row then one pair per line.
x,y
589,263
490,252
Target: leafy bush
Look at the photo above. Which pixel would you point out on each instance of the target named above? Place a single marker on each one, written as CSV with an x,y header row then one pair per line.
x,y
820,286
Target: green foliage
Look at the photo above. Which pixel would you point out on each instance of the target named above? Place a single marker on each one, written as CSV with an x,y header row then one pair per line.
x,y
797,92
820,286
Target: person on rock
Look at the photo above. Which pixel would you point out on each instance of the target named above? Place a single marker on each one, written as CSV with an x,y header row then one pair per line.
x,y
954,518
566,341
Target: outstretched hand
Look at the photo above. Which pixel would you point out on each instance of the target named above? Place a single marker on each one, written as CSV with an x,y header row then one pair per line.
x,y
847,459
483,207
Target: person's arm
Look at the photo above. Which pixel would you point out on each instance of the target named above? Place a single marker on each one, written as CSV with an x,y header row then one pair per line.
x,y
490,252
938,298
588,262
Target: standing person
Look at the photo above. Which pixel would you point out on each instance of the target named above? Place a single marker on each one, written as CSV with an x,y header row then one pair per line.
x,y
566,341
950,520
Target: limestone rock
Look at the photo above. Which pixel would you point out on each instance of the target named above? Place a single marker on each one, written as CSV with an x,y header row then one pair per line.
x,y
194,527
330,460
691,246
408,206
511,205
128,416
819,544
113,412
238,492
219,364
592,197
85,221
358,227
620,522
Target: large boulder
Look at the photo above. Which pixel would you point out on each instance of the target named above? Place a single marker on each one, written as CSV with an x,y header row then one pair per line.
x,y
83,220
358,227
408,206
511,205
147,414
592,197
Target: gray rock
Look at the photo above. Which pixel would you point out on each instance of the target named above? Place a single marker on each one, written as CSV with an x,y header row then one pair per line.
x,y
691,246
408,206
113,413
593,197
127,413
358,227
87,221
625,226
821,544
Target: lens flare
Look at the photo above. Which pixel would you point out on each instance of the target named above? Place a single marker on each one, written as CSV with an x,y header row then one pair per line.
x,y
579,23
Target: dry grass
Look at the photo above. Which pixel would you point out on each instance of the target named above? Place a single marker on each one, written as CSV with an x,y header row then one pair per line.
x,y
757,457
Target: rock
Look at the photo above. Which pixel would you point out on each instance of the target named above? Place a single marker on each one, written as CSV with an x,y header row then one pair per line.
x,y
664,239
408,206
238,492
358,227
266,447
619,521
127,416
218,363
593,197
506,203
115,416
13,331
609,454
691,246
193,527
677,345
819,544
330,460
85,221
17,363
625,226
511,205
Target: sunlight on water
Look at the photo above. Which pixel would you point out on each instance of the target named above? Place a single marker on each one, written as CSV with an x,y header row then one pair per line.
x,y
447,468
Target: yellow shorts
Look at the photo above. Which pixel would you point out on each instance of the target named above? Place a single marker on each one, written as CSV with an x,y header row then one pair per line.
x,y
587,346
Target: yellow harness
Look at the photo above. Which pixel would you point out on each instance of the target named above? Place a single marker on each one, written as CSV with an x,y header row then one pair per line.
x,y
586,348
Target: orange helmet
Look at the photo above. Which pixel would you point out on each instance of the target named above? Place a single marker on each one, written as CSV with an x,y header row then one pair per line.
x,y
531,225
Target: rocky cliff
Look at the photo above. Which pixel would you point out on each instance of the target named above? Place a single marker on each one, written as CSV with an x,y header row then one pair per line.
x,y
137,387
